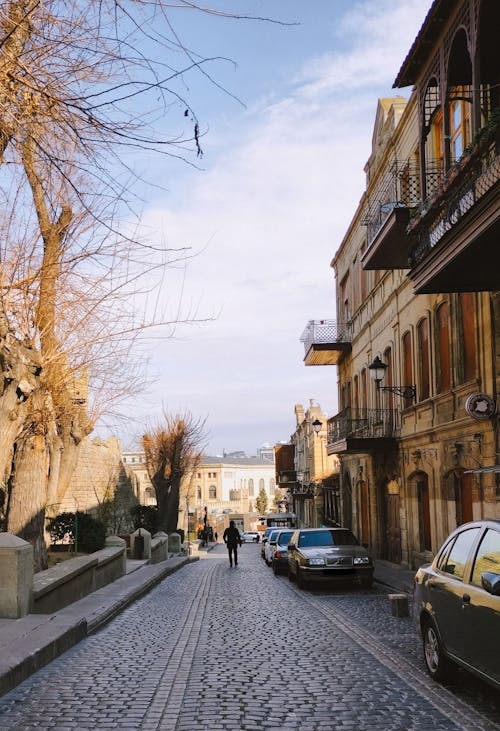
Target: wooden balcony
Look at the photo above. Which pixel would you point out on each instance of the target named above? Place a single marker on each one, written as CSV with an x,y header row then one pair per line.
x,y
457,230
326,342
362,431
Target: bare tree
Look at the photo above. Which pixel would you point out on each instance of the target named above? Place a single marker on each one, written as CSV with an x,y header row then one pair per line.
x,y
173,452
71,75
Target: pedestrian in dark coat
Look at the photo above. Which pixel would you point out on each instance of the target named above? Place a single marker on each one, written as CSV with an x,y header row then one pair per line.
x,y
232,539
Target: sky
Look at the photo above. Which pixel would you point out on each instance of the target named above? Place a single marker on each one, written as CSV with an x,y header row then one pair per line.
x,y
264,210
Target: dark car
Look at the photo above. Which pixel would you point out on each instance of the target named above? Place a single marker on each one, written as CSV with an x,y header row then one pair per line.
x,y
329,555
280,553
457,603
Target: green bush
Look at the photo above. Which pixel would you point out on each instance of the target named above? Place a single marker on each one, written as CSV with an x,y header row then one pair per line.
x,y
85,532
145,516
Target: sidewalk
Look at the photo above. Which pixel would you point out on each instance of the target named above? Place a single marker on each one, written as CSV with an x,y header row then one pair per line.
x,y
394,576
29,643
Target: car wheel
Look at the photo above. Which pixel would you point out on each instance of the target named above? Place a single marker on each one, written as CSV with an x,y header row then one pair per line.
x,y
437,664
367,583
291,575
275,568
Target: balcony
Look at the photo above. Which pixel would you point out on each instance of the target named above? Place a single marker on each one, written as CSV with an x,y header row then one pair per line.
x,y
455,246
391,207
285,478
326,342
362,431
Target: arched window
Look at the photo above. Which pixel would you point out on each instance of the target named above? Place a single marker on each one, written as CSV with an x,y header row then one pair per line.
x,y
198,492
423,359
261,484
212,492
467,338
443,371
433,137
407,364
389,377
459,96
250,488
272,486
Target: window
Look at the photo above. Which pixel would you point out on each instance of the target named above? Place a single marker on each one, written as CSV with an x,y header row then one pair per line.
x,y
460,120
456,560
250,488
198,492
261,484
272,486
407,364
488,556
467,361
423,352
443,372
212,492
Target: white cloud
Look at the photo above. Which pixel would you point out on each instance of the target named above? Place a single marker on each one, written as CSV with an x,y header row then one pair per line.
x,y
267,216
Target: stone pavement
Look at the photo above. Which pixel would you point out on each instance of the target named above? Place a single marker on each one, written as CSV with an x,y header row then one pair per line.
x,y
29,643
214,648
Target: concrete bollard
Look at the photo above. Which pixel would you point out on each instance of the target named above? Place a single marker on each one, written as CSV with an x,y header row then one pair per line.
x,y
399,605
16,570
140,544
174,543
159,547
115,541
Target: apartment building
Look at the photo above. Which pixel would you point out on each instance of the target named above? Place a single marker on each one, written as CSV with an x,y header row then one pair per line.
x,y
416,337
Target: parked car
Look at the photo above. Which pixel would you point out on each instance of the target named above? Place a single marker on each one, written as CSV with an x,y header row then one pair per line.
x,y
457,603
250,536
265,538
328,555
270,544
280,552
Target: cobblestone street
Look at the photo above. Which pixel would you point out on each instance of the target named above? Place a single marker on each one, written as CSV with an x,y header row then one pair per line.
x,y
218,649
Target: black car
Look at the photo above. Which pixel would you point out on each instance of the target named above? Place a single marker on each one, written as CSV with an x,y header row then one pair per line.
x,y
457,603
328,555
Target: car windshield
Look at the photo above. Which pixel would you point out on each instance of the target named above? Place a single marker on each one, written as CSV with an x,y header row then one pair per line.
x,y
327,538
273,536
284,538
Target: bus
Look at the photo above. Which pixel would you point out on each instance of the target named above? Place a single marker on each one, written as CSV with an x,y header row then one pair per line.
x,y
278,520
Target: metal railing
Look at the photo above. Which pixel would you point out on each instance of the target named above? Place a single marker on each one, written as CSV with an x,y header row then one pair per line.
x,y
362,424
463,187
325,331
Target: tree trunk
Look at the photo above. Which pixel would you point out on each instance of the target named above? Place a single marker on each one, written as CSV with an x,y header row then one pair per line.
x,y
29,478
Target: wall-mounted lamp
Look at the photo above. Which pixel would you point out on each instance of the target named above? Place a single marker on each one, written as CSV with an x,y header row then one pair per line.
x,y
316,425
377,372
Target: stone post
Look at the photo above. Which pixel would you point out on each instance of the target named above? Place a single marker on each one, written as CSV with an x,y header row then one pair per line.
x,y
174,543
112,541
140,542
16,574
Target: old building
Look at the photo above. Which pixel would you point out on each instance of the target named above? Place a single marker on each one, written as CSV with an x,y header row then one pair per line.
x,y
306,474
416,339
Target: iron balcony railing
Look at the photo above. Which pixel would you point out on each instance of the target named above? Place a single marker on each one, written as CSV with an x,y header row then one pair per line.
x,y
362,424
325,331
463,188
401,187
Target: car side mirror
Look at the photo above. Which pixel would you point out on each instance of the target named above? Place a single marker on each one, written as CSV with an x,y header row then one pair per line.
x,y
491,582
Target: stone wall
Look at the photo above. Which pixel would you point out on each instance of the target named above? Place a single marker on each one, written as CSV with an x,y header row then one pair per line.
x,y
100,483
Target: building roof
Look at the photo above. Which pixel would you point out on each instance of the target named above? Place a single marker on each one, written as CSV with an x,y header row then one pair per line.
x,y
236,461
427,36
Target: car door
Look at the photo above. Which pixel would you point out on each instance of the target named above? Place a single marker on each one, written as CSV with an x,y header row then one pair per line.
x,y
482,632
448,594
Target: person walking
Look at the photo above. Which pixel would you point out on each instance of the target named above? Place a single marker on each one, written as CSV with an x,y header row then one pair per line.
x,y
232,539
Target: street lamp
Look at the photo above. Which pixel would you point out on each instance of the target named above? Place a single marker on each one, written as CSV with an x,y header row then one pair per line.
x,y
316,425
377,372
